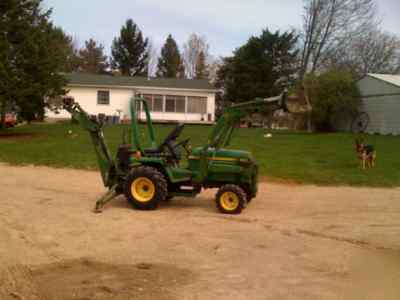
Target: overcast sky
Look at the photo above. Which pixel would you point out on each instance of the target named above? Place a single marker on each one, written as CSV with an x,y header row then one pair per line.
x,y
227,24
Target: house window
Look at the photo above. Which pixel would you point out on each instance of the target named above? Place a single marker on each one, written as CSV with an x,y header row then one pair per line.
x,y
175,104
197,105
149,101
158,103
180,104
103,97
170,104
154,102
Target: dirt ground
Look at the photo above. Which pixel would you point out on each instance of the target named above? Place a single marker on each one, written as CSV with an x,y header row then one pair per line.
x,y
292,242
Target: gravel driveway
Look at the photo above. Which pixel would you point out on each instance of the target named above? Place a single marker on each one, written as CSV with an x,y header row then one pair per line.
x,y
292,242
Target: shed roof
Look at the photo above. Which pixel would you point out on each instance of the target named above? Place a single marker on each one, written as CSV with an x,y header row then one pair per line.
x,y
137,81
392,79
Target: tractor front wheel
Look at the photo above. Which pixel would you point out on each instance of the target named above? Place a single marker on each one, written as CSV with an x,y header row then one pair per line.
x,y
145,187
231,199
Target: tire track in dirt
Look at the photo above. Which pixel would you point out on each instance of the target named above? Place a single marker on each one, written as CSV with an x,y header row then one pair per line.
x,y
15,280
310,233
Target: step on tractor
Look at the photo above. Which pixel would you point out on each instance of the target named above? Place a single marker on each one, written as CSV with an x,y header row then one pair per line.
x,y
150,175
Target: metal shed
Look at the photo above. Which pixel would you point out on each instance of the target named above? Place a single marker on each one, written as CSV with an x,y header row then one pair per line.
x,y
381,100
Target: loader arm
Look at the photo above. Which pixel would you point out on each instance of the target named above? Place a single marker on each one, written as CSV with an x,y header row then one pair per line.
x,y
221,134
104,160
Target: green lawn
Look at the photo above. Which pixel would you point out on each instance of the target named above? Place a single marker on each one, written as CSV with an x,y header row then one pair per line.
x,y
323,159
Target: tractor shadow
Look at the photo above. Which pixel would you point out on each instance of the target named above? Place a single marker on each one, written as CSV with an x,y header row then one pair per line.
x,y
184,203
205,204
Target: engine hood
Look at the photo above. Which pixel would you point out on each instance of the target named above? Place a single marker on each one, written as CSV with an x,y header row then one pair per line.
x,y
223,153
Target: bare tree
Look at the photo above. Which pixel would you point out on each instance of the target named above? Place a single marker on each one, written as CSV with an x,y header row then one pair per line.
x,y
213,65
152,59
373,52
191,51
331,25
397,71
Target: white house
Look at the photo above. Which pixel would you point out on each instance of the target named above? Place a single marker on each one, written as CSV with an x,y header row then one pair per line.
x,y
169,99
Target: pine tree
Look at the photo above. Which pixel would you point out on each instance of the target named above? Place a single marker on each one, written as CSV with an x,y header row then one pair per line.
x,y
170,63
30,58
201,66
129,51
260,68
92,58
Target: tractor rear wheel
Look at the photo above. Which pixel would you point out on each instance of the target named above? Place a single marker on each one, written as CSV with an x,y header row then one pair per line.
x,y
231,199
145,187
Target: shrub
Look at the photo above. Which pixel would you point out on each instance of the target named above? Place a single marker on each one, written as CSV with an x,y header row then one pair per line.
x,y
331,94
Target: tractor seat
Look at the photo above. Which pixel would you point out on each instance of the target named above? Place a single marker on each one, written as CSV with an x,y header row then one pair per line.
x,y
124,151
169,143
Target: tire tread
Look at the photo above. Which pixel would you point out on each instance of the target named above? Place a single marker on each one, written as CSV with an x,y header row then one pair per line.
x,y
238,191
159,181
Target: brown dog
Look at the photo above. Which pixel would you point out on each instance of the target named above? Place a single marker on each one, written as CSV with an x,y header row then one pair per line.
x,y
366,154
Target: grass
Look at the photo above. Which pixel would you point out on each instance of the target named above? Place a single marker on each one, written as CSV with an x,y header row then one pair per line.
x,y
322,159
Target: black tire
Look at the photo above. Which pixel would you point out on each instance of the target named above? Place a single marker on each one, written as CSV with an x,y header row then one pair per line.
x,y
148,183
228,203
169,198
247,192
249,198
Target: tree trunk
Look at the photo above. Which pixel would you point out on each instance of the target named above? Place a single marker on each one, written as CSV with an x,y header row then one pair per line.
x,y
2,114
327,33
309,42
309,123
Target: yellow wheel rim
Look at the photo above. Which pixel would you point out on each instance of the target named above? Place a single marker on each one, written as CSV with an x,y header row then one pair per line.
x,y
229,201
143,189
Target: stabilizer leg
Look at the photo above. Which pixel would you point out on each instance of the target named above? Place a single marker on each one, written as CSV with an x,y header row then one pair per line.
x,y
107,197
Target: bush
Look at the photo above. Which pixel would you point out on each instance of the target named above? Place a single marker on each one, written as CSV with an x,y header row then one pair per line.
x,y
331,94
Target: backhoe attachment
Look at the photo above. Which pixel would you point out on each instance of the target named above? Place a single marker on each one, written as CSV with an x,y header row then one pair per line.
x,y
106,164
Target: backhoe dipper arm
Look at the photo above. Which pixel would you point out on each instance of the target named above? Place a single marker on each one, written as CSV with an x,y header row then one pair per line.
x,y
106,163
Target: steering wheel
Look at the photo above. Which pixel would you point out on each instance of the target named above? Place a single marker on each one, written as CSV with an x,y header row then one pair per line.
x,y
183,144
174,134
170,144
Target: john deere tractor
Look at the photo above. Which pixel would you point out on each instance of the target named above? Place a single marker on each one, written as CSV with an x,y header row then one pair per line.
x,y
148,176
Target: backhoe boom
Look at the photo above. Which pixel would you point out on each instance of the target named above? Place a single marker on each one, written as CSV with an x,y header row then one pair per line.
x,y
106,163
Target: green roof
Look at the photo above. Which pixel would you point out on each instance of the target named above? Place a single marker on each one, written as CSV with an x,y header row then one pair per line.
x,y
124,81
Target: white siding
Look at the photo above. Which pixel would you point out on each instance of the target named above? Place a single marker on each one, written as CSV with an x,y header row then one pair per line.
x,y
372,86
381,105
87,98
120,99
384,114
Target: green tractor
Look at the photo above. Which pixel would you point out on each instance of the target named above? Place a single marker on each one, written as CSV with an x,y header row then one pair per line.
x,y
148,176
